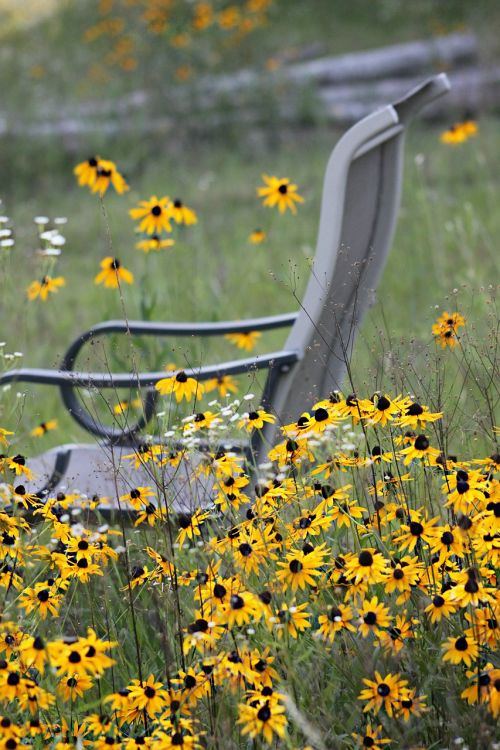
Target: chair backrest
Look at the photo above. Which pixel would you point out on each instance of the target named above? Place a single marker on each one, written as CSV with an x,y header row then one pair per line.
x,y
359,209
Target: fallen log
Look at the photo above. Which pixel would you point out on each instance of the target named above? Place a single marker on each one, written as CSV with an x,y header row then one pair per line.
x,y
473,90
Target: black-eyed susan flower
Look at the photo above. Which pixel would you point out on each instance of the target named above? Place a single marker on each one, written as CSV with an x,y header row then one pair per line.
x,y
98,174
373,615
44,427
382,692
480,684
266,718
441,606
385,409
372,737
42,599
244,607
257,236
368,566
255,420
294,618
244,340
418,528
42,289
279,192
415,415
149,696
86,171
224,384
458,133
182,385
181,214
73,687
113,273
107,174
446,327
154,215
461,649
339,617
190,525
393,639
411,705
420,449
300,569
154,243
3,436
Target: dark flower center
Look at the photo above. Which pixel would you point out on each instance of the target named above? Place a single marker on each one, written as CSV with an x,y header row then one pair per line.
x,y
365,558
115,264
438,601
447,538
421,443
184,520
370,618
461,644
245,549
189,681
43,595
320,415
219,591
398,574
181,377
264,713
74,657
383,403
198,626
156,210
383,690
236,602
416,528
414,410
283,189
335,615
295,566
149,691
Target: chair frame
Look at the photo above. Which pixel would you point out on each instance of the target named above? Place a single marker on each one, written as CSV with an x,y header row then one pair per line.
x,y
319,324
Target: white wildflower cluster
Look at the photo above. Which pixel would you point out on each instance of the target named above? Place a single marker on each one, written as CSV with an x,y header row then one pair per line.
x,y
51,240
7,241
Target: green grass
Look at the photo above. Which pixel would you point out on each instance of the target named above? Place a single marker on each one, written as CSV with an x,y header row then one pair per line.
x,y
444,240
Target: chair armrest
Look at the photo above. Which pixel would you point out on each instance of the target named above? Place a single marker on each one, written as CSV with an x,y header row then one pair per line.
x,y
68,380
144,328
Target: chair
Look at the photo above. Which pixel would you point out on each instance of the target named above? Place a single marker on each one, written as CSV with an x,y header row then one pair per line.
x,y
360,204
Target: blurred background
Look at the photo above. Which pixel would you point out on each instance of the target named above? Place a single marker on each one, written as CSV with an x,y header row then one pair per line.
x,y
197,100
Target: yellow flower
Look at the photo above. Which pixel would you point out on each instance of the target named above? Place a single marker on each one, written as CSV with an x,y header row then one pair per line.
x,y
154,243
279,192
257,236
112,273
224,384
244,340
155,215
181,214
44,427
459,133
460,649
182,385
256,420
99,174
42,288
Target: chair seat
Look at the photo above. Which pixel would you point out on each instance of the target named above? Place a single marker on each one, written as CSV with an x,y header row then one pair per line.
x,y
103,471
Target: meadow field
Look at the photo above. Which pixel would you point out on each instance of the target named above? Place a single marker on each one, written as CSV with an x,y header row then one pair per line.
x,y
345,593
